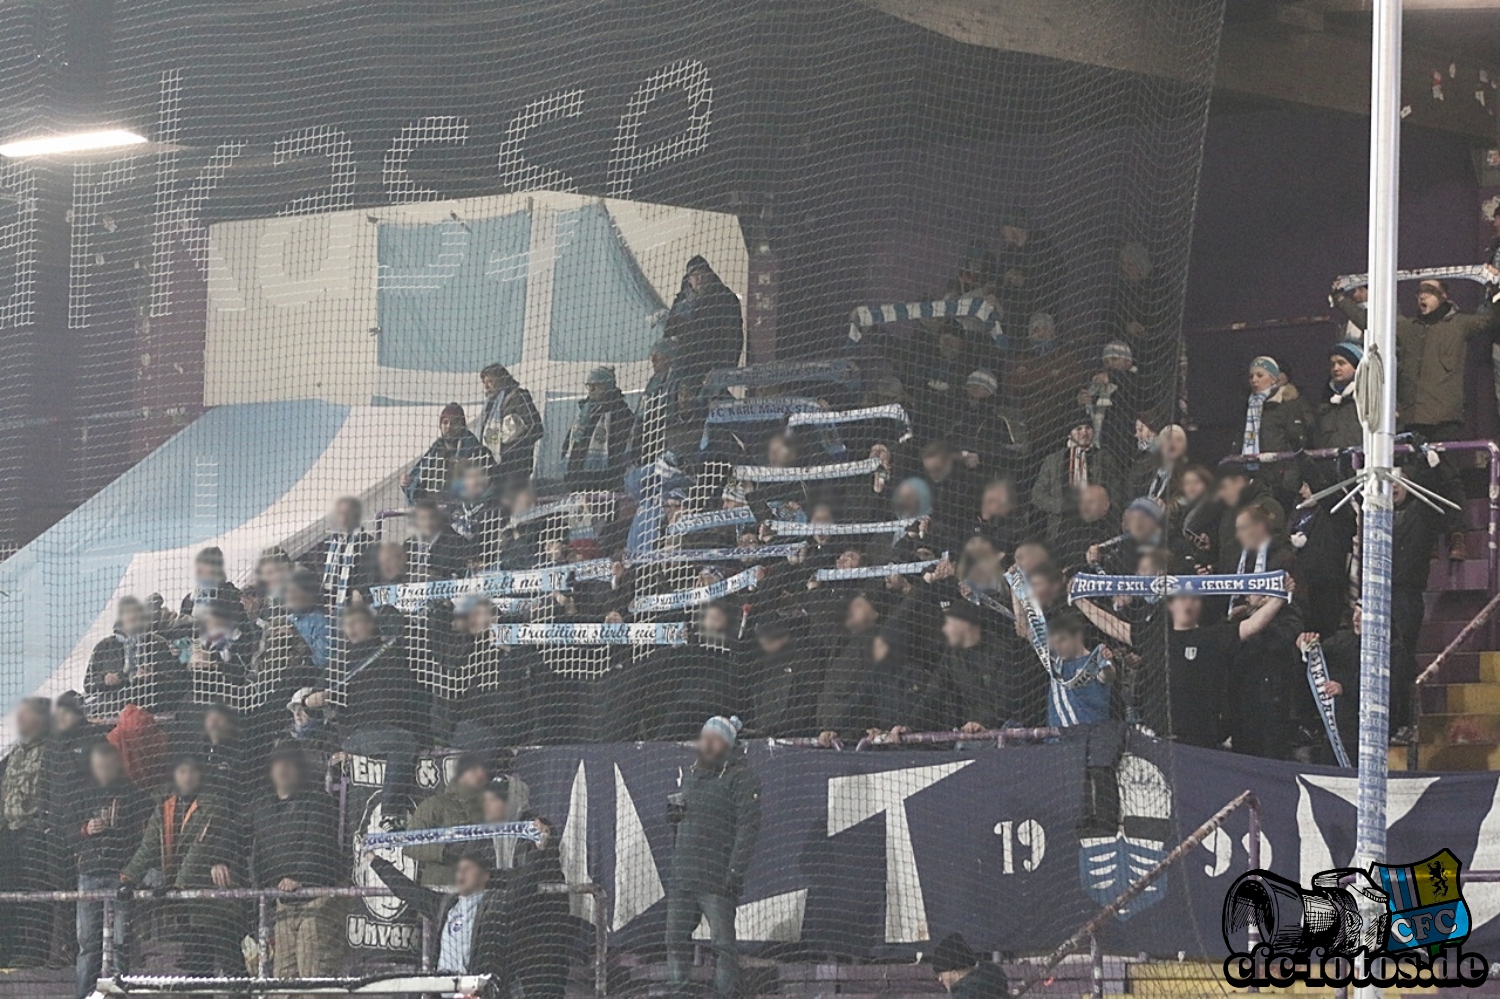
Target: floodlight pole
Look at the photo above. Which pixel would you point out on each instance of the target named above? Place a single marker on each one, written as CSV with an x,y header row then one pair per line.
x,y
1380,335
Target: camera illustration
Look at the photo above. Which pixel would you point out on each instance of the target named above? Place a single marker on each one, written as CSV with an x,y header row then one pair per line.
x,y
1344,912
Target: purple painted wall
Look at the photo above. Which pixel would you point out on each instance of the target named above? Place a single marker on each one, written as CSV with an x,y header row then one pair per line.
x,y
1281,211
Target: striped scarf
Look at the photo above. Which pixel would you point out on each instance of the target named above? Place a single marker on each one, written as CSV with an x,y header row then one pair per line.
x,y
1260,566
1078,465
339,560
1254,410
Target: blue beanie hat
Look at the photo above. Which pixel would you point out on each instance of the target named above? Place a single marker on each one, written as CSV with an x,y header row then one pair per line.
x,y
1149,507
1349,351
727,729
1268,365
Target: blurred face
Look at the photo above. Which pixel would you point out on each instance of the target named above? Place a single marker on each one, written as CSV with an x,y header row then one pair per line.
x,y
1082,435
391,560
977,393
217,726
938,466
300,599
1029,556
950,346
861,615
208,571
1045,587
427,522
469,877
907,502
596,390
476,482
494,807
474,778
30,722
848,560
132,619
1250,532
1014,235
1185,612
1067,644
187,778
1231,488
1340,370
779,452
1093,503
1138,525
452,426
106,767
1193,487
1133,268
358,628
1173,443
997,501
480,617
348,513
1429,300
960,634
1261,380
1357,622
712,746
715,620
300,716
697,279
286,776
660,362
880,649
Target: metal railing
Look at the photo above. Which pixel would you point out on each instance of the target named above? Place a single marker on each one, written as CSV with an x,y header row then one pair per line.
x,y
264,897
1001,737
1086,934
1440,447
1464,636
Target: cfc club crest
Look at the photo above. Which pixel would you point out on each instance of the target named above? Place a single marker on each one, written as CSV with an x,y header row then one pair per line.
x,y
1190,653
1426,905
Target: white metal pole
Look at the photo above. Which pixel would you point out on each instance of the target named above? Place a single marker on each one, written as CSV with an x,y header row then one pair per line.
x,y
1380,335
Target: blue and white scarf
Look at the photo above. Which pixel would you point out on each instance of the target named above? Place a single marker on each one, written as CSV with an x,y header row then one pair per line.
x,y
528,831
834,470
969,306
875,571
1036,620
413,596
771,410
340,556
792,529
656,603
1317,676
1087,586
589,634
692,556
691,523
1254,410
822,417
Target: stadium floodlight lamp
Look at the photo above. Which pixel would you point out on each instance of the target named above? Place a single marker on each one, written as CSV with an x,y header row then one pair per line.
x,y
73,142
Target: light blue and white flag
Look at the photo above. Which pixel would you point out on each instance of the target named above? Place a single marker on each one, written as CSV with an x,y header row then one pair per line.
x,y
589,634
657,603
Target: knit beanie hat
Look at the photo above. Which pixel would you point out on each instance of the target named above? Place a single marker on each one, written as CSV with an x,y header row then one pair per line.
x,y
601,376
1118,350
727,729
983,379
1268,365
451,411
1349,351
1147,506
953,954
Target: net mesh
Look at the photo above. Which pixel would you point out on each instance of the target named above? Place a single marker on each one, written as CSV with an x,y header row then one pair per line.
x,y
450,386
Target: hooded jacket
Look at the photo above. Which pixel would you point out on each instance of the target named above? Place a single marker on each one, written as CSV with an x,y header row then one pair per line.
x,y
706,324
719,826
433,473
453,806
510,427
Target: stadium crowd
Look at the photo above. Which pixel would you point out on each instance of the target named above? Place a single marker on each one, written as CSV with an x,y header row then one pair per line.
x,y
844,542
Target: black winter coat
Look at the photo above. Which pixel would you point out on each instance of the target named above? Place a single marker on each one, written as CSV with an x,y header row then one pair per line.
x,y
295,838
719,826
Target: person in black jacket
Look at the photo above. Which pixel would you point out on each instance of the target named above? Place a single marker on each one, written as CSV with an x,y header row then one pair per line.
x,y
470,921
294,845
784,681
717,815
598,443
539,930
134,664
963,974
508,425
435,472
705,321
345,559
104,826
384,708
435,550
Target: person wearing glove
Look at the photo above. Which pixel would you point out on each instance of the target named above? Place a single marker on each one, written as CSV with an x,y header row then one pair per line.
x,y
718,819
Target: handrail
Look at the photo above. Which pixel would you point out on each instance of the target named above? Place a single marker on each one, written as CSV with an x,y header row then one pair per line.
x,y
1488,446
265,896
1089,929
1001,736
1463,636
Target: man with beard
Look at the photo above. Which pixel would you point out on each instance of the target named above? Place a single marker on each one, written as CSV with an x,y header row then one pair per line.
x,y
717,820
509,425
